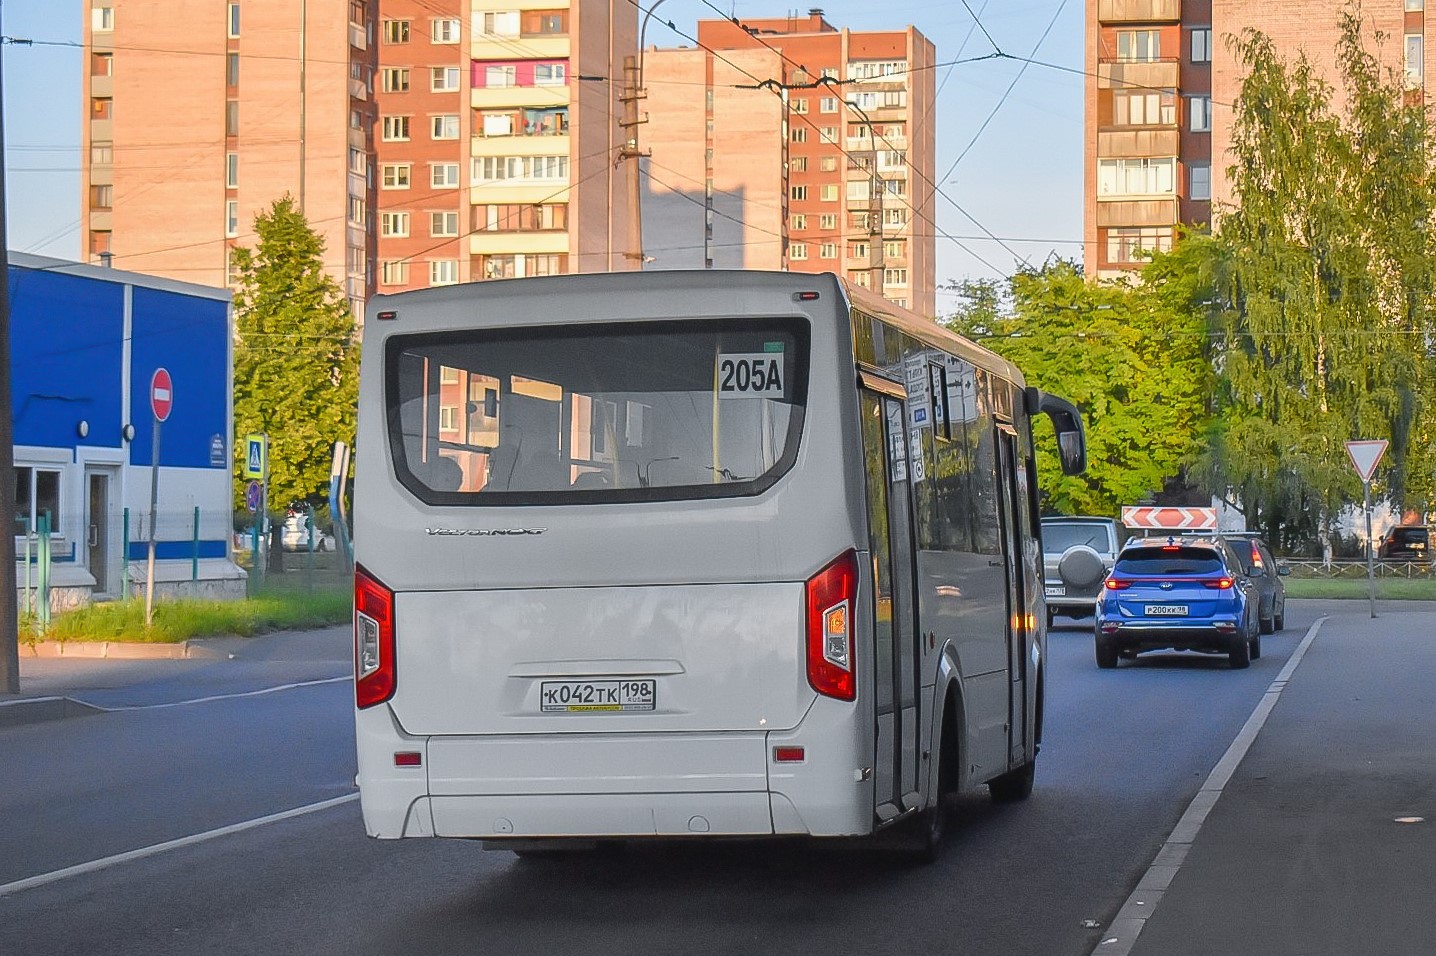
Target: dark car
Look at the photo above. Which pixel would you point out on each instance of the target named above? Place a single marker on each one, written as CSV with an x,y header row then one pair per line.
x,y
1266,573
1407,542
1178,593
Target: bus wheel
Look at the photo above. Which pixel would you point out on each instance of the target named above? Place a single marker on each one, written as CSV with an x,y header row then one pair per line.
x,y
1013,785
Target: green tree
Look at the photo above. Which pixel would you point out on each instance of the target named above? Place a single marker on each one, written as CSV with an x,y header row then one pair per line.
x,y
296,361
1130,357
1320,281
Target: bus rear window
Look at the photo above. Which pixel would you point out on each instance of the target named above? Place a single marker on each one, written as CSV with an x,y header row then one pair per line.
x,y
626,412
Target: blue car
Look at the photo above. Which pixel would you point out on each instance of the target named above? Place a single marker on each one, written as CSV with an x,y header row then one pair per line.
x,y
1178,593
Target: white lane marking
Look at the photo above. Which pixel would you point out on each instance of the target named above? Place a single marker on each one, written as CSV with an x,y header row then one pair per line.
x,y
80,869
206,700
1122,934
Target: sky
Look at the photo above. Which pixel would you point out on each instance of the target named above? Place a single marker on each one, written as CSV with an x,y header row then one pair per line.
x,y
1009,134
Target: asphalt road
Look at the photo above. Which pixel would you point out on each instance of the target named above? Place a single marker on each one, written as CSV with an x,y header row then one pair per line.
x,y
1124,753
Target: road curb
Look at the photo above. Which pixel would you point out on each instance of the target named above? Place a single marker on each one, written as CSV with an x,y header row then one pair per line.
x,y
120,650
35,710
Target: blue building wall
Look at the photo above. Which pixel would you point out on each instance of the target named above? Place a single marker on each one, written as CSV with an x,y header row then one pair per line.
x,y
188,338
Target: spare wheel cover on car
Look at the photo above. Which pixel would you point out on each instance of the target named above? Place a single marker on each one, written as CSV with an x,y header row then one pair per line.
x,y
1080,566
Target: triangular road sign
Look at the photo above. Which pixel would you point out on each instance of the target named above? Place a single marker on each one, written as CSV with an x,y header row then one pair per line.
x,y
1365,455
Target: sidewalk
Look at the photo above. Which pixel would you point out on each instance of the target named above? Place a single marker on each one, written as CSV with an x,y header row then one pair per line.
x,y
1323,839
79,678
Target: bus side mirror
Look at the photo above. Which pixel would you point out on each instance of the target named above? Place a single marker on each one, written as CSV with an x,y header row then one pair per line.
x,y
1067,420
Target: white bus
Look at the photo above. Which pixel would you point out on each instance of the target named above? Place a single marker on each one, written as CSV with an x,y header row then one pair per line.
x,y
681,554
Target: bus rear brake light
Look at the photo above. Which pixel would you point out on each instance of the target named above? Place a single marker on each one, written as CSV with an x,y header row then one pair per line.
x,y
374,678
831,594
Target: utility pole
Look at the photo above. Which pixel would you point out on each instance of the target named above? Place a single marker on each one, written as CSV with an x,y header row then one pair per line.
x,y
876,262
9,607
633,93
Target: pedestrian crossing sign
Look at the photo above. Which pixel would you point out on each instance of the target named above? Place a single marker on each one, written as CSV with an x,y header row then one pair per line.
x,y
256,457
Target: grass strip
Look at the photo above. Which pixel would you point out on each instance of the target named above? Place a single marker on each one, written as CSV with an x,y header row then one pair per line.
x,y
1389,589
180,620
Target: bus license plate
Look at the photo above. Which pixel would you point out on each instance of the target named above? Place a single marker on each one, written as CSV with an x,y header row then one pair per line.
x,y
1166,610
595,696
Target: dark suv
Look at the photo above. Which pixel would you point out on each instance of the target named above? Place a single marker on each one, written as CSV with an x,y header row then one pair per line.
x,y
1266,575
1077,553
1407,542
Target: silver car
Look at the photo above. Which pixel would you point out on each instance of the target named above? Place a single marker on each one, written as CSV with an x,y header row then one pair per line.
x,y
1077,553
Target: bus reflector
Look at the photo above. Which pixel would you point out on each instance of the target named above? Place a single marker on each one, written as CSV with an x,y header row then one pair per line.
x,y
831,594
373,640
788,754
408,758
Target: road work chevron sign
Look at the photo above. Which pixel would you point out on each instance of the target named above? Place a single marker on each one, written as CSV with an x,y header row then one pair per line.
x,y
1170,519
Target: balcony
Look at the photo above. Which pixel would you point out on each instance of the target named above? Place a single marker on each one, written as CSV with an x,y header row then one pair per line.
x,y
1127,74
1137,142
1137,212
1139,11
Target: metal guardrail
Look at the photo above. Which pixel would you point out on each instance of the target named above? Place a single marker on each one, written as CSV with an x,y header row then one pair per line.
x,y
1356,568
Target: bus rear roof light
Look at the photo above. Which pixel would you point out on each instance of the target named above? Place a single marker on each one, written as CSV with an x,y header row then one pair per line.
x,y
806,296
388,315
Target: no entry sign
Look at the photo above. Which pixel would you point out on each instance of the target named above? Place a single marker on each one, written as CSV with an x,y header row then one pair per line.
x,y
162,399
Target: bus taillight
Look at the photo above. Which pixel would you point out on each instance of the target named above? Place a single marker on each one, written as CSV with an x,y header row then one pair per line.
x,y
373,640
832,594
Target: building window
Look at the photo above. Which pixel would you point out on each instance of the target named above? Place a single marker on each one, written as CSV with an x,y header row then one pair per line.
x,y
444,79
99,241
233,20
894,217
443,224
1202,45
1136,177
1415,55
37,492
102,64
500,76
798,251
394,224
550,74
798,193
860,250
443,271
102,19
101,107
545,23
800,106
102,154
829,193
1415,6
800,222
444,126
394,79
1135,243
828,221
1145,108
231,69
231,218
799,134
828,134
828,104
828,164
396,31
358,211
1199,181
798,164
231,118
893,277
828,250
895,249
394,175
231,170
519,168
358,162
396,129
1199,114
394,272
524,217
444,31
876,69
445,175
356,119
1139,46
102,197
501,23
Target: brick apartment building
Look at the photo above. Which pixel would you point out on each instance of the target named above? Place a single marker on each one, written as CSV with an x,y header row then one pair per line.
x,y
498,135
201,113
829,172
1160,81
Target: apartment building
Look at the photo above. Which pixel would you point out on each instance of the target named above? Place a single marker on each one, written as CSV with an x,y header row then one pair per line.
x,y
1161,79
788,143
499,147
200,114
